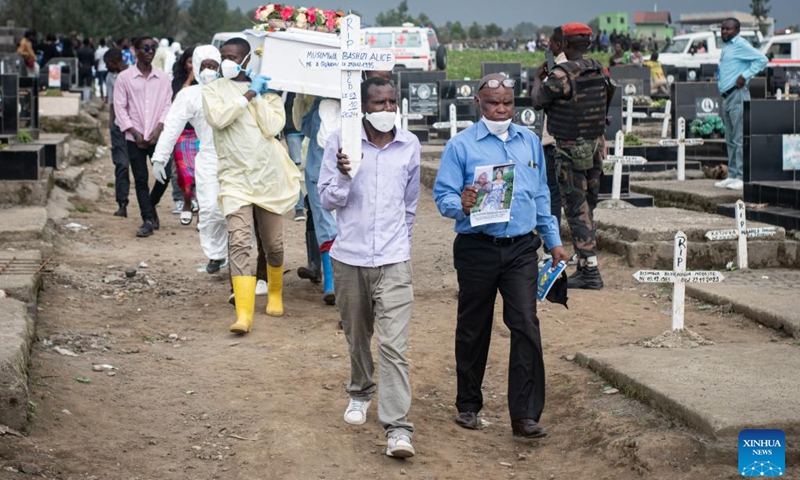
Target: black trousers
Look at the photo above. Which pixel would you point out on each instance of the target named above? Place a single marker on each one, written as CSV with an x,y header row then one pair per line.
x,y
483,268
552,182
148,200
122,166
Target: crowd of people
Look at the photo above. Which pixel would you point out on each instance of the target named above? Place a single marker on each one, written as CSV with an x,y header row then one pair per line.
x,y
237,147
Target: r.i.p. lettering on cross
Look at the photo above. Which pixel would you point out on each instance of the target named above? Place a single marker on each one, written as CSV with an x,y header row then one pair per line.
x,y
351,60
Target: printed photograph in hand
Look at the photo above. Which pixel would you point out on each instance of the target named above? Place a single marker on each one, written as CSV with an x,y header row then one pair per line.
x,y
495,185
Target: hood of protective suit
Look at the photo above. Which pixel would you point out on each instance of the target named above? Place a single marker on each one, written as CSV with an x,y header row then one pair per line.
x,y
176,47
201,53
163,43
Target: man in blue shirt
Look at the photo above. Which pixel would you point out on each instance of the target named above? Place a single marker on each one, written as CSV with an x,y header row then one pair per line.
x,y
498,256
738,64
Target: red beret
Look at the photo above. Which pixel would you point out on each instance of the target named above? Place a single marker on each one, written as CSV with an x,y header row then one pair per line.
x,y
576,29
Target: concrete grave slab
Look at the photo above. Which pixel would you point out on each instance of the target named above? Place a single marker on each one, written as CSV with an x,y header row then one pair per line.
x,y
645,237
19,274
718,389
16,336
21,224
698,195
768,296
27,192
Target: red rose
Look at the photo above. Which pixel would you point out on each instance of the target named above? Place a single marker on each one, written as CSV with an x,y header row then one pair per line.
x,y
286,13
311,14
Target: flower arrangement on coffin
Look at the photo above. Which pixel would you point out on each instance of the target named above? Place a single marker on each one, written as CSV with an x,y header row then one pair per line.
x,y
276,17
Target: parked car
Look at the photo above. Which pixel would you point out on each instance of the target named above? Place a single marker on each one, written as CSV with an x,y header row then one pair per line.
x,y
414,48
783,50
697,48
222,37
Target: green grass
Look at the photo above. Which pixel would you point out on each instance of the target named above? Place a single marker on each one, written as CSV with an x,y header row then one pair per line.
x,y
82,208
467,64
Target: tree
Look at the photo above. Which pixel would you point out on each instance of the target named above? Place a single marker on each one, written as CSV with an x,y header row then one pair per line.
x,y
524,30
206,17
475,31
395,16
760,9
457,32
493,30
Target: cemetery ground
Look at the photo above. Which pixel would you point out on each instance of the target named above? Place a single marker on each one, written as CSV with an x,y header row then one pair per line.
x,y
189,400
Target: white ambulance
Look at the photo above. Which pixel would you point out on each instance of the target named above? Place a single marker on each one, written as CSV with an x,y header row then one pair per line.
x,y
414,48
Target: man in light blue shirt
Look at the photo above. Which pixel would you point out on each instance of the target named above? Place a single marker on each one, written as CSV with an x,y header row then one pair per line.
x,y
498,256
739,63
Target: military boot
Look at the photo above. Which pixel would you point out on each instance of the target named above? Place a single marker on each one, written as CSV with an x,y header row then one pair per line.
x,y
587,278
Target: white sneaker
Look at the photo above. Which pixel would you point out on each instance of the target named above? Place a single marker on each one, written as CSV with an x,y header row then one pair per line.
x,y
399,446
178,207
195,206
356,413
735,185
724,183
261,288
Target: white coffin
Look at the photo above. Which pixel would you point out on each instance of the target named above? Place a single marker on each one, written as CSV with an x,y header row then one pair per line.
x,y
280,60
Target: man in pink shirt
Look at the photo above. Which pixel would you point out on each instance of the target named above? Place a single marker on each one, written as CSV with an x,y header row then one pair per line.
x,y
142,98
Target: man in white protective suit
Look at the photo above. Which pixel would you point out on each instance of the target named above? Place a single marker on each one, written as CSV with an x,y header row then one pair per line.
x,y
188,108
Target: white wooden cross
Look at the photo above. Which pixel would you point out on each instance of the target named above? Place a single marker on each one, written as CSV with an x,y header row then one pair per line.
x,y
454,124
681,142
666,116
404,116
741,233
679,277
619,160
629,114
351,60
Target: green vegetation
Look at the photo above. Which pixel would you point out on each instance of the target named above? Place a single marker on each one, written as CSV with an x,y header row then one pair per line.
x,y
467,64
632,139
82,208
23,136
53,92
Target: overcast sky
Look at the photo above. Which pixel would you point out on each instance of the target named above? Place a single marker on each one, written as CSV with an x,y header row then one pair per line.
x,y
508,13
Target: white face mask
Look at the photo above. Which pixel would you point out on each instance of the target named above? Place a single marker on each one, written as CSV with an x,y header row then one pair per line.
x,y
496,128
382,121
231,69
207,76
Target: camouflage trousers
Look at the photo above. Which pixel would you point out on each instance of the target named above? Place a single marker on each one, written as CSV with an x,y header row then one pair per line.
x,y
580,190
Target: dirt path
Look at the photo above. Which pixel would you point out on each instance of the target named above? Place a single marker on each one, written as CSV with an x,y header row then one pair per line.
x,y
210,405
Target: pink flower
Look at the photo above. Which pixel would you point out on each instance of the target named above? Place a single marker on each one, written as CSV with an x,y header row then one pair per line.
x,y
312,15
286,13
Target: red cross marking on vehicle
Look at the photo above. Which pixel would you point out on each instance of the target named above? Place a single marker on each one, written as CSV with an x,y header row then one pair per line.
x,y
401,39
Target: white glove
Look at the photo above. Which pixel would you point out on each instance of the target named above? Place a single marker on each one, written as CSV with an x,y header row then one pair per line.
x,y
160,172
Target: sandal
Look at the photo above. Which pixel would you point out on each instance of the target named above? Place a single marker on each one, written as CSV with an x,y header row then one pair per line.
x,y
186,218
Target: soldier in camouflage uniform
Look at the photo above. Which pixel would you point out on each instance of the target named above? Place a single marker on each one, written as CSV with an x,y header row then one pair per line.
x,y
576,95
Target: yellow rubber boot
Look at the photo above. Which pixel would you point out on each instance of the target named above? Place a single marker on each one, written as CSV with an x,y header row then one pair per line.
x,y
244,292
275,291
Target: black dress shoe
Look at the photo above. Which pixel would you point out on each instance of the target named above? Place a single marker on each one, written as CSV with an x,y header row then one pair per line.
x,y
528,428
467,420
214,266
156,222
145,230
122,212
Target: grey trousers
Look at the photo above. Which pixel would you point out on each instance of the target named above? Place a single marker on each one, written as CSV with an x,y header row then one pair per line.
x,y
379,299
